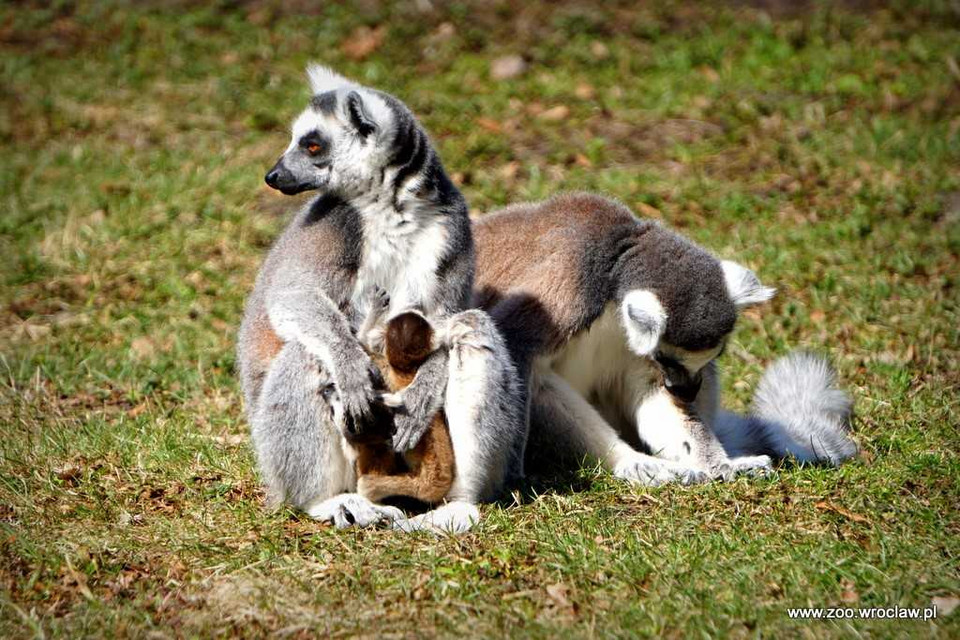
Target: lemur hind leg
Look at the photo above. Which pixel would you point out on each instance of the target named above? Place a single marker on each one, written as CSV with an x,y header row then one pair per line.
x,y
300,449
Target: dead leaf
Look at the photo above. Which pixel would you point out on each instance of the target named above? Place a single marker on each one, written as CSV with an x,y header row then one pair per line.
x,y
509,171
490,125
142,347
645,209
231,440
69,473
558,593
507,67
363,41
555,114
817,316
445,31
945,604
599,50
849,593
584,91
137,410
823,505
419,589
709,73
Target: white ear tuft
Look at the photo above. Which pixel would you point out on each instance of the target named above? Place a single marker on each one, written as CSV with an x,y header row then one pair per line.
x,y
323,79
743,285
644,319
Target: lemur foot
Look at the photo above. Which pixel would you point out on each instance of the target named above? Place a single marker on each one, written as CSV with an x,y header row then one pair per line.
x,y
757,466
652,472
451,518
464,330
352,510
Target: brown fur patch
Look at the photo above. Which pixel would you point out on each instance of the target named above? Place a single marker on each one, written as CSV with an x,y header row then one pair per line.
x,y
426,472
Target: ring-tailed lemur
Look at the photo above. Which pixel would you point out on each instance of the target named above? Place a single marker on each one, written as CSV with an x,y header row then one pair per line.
x,y
387,216
617,322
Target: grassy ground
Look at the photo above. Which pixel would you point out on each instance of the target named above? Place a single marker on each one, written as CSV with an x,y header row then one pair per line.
x,y
820,145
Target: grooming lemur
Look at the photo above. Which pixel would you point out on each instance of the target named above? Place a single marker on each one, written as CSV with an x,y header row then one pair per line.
x,y
616,323
387,217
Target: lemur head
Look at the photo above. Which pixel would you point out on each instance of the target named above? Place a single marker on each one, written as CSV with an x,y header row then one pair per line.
x,y
350,140
686,312
409,341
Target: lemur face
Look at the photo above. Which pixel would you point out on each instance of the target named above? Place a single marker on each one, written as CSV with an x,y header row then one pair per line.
x,y
682,370
337,144
703,324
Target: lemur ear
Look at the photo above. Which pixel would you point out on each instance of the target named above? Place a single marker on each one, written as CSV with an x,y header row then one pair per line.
x,y
644,319
359,118
743,285
324,79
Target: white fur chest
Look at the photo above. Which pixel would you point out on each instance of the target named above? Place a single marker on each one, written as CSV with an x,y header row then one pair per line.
x,y
400,254
598,362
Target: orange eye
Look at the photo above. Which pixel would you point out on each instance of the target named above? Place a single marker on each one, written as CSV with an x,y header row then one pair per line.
x,y
313,148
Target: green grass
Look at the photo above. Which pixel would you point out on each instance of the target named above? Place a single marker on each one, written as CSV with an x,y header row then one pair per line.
x,y
820,146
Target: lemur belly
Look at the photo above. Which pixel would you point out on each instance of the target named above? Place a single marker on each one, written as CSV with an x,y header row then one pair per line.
x,y
400,255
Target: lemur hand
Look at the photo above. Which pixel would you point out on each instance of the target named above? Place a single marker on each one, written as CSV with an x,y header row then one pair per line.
x,y
356,387
409,429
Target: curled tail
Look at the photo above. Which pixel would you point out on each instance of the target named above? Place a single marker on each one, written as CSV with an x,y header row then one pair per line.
x,y
797,411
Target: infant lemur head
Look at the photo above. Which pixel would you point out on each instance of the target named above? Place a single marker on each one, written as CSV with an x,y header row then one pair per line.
x,y
685,307
352,140
409,341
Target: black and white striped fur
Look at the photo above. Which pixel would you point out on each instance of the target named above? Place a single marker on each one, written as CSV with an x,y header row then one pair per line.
x,y
387,218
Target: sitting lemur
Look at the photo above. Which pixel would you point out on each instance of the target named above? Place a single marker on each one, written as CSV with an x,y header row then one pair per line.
x,y
388,218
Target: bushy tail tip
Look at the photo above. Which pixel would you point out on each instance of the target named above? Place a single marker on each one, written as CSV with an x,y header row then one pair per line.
x,y
797,411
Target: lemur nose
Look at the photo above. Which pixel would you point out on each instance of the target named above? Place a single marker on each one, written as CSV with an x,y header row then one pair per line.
x,y
273,178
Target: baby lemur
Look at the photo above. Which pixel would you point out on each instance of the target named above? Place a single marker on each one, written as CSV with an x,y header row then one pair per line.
x,y
425,472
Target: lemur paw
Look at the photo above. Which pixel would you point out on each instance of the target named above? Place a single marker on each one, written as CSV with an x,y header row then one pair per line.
x,y
652,472
451,518
464,330
381,299
757,466
353,510
408,431
359,400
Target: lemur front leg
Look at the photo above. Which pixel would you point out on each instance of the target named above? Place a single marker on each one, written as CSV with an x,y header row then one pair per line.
x,y
416,405
306,316
683,433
